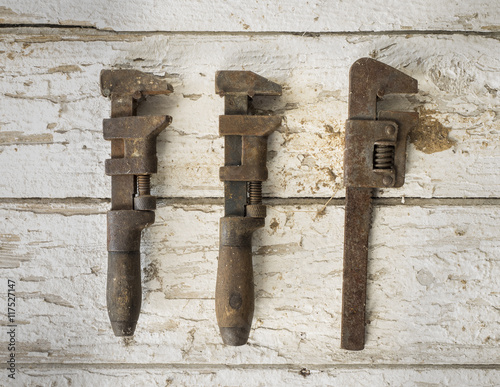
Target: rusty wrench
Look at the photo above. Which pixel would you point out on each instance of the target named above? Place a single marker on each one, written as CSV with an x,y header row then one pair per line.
x,y
375,157
133,160
245,153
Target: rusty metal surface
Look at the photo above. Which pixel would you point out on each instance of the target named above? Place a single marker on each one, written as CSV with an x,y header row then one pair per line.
x,y
235,192
138,135
356,233
244,82
132,83
254,131
243,172
362,153
133,160
406,122
248,125
375,156
124,229
123,292
370,80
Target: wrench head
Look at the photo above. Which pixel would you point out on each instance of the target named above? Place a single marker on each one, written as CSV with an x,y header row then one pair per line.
x,y
244,83
370,79
133,83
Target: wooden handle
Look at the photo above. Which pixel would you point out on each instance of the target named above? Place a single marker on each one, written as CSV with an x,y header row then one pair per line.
x,y
123,292
234,294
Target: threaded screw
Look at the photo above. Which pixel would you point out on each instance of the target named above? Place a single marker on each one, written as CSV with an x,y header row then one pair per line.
x,y
144,185
255,192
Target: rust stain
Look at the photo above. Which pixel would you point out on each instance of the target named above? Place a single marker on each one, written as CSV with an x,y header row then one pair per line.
x,y
64,69
430,136
274,224
17,138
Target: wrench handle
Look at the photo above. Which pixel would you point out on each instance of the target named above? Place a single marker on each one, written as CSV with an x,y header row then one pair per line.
x,y
124,292
234,294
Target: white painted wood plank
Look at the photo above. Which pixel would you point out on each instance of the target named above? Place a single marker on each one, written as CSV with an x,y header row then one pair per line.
x,y
266,15
51,110
432,294
212,376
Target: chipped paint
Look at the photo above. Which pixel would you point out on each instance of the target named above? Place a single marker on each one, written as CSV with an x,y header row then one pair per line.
x,y
193,97
64,69
11,255
56,248
19,138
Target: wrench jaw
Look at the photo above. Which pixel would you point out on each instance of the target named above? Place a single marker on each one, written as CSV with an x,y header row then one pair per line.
x,y
133,160
375,157
244,170
370,80
244,83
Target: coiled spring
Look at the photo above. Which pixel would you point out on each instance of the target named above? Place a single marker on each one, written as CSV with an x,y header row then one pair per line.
x,y
383,156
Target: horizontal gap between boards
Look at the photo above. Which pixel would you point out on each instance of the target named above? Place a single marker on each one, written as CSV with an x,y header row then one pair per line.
x,y
290,367
85,30
270,201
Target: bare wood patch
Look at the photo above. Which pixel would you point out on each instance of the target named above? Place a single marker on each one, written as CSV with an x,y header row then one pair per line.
x,y
430,135
64,69
19,138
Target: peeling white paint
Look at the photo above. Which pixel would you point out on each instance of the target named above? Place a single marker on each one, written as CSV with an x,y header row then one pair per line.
x,y
433,304
58,151
451,319
265,15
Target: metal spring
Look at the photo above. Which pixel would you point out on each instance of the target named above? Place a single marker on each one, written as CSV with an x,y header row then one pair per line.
x,y
143,184
255,192
383,156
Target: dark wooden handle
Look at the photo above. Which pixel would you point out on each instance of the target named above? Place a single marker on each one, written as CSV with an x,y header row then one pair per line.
x,y
234,293
123,292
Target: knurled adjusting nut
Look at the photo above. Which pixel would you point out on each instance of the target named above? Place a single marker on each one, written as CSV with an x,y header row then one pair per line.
x,y
145,203
256,211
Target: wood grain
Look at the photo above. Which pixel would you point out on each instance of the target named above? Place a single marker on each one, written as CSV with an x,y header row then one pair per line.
x,y
57,150
432,291
223,376
433,301
233,15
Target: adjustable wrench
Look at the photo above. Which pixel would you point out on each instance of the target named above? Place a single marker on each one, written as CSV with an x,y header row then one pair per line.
x,y
375,156
244,170
133,160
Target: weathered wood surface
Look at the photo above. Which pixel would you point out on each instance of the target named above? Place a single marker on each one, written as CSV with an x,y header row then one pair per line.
x,y
223,376
433,287
51,110
433,298
264,15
